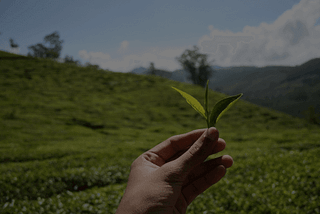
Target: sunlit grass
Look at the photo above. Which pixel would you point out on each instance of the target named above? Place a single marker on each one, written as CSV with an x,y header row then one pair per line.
x,y
69,134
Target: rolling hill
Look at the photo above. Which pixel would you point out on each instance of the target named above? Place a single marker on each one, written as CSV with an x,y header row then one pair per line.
x,y
292,90
68,135
289,89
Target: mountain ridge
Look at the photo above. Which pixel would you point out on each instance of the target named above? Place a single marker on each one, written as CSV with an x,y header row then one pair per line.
x,y
291,89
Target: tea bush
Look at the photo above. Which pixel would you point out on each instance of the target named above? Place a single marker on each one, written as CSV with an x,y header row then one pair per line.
x,y
68,135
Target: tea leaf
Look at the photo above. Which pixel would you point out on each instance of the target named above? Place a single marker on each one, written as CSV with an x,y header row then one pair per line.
x,y
206,105
221,107
193,102
218,110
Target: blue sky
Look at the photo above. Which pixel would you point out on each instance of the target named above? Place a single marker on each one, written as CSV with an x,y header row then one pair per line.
x,y
122,35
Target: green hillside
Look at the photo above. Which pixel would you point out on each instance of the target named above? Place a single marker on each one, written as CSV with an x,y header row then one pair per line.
x,y
11,56
285,88
68,135
290,89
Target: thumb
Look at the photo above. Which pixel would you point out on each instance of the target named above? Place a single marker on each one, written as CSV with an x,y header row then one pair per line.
x,y
199,150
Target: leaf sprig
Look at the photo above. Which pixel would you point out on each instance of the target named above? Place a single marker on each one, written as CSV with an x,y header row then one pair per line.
x,y
217,111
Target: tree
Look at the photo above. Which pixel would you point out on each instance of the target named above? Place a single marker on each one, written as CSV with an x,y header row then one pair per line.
x,y
39,50
152,69
69,59
89,65
196,64
12,44
51,47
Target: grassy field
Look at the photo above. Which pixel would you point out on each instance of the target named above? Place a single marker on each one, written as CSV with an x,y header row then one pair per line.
x,y
68,135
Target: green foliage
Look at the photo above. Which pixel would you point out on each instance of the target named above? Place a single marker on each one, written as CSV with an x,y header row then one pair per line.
x,y
222,107
265,180
193,102
89,65
196,64
51,47
152,69
218,110
13,44
70,60
69,134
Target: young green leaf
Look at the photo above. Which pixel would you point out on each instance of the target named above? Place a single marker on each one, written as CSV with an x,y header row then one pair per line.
x,y
193,102
218,110
221,107
206,105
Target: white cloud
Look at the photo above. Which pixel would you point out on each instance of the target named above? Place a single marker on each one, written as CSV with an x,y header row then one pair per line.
x,y
15,50
163,58
94,57
123,46
290,40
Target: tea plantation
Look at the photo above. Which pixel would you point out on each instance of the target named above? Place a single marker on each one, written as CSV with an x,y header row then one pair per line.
x,y
68,135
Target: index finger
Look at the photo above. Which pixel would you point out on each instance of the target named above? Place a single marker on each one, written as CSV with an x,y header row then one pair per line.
x,y
168,148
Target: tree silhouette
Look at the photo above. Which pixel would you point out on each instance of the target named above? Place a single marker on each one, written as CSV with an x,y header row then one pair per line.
x,y
12,44
69,59
152,69
89,65
197,65
51,47
39,50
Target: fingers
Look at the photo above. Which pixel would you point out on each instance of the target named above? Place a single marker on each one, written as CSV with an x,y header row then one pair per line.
x,y
179,143
206,167
197,187
218,147
199,150
204,176
221,145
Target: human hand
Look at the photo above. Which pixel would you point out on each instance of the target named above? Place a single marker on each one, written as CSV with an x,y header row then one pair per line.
x,y
168,177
